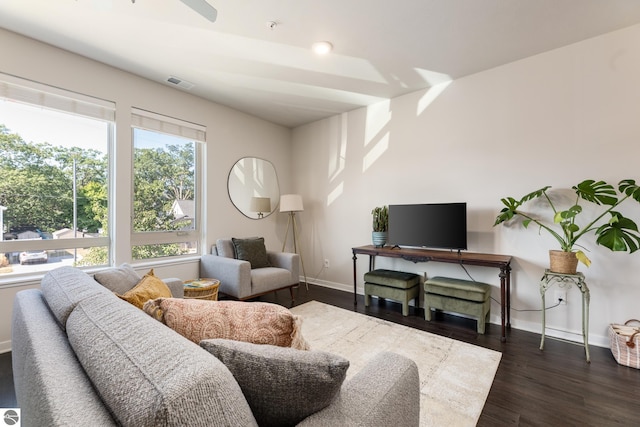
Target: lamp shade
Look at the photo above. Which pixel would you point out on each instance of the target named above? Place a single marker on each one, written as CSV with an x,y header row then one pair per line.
x,y
260,204
291,203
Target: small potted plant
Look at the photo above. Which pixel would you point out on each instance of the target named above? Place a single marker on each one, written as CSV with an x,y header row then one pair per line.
x,y
380,226
612,229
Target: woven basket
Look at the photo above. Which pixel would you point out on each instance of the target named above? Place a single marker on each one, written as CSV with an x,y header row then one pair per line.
x,y
209,292
625,343
563,262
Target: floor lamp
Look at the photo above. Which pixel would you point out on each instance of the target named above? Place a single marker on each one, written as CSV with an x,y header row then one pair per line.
x,y
292,203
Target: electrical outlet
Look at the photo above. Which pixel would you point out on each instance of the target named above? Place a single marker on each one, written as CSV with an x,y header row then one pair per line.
x,y
326,263
561,294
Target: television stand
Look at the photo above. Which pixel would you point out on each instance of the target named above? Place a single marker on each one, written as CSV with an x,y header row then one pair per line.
x,y
502,262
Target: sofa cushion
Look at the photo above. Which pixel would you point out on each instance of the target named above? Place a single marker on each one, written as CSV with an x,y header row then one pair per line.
x,y
147,374
252,250
282,385
254,322
118,279
392,278
269,278
149,287
64,287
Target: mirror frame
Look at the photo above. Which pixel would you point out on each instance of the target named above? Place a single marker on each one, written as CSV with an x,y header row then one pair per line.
x,y
253,177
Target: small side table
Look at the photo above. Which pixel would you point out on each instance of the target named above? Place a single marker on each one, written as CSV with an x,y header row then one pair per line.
x,y
548,279
205,289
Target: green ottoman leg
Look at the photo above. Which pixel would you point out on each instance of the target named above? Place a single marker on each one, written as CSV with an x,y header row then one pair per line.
x,y
481,319
411,294
427,309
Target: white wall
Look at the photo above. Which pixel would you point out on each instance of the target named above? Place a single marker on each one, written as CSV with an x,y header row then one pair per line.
x,y
553,119
230,136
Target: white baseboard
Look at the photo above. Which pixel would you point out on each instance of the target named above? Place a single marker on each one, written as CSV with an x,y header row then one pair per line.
x,y
5,347
561,334
334,285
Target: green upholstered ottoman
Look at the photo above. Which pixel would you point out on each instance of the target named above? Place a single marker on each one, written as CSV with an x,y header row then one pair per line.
x,y
395,285
458,296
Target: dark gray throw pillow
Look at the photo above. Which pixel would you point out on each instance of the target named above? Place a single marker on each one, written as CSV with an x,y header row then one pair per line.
x,y
282,385
252,250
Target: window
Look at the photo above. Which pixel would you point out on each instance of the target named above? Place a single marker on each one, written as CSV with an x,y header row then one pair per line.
x,y
54,174
165,186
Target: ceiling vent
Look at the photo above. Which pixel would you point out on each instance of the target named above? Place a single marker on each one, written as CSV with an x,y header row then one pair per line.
x,y
181,83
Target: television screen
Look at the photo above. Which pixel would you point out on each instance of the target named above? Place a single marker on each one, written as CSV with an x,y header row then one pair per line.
x,y
432,225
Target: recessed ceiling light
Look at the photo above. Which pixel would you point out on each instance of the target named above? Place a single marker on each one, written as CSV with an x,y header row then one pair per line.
x,y
322,48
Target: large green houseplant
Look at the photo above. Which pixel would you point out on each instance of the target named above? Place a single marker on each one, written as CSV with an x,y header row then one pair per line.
x,y
380,226
611,228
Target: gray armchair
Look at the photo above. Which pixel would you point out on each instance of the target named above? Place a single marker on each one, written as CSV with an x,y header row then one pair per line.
x,y
239,280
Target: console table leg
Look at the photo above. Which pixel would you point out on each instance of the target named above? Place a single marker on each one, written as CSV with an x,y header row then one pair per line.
x,y
508,274
503,337
503,304
355,294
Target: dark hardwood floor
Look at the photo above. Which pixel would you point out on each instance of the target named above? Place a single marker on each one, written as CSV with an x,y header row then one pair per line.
x,y
554,387
7,394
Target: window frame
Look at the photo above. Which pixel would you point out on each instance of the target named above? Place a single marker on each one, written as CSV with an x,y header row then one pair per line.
x,y
155,122
63,101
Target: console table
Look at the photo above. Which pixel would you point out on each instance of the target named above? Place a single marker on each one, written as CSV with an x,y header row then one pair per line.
x,y
467,258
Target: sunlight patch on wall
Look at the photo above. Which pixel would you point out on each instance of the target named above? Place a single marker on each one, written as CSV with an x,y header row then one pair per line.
x,y
376,152
430,95
378,115
337,192
338,151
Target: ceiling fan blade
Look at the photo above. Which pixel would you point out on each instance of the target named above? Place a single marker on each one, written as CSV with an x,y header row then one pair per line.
x,y
203,8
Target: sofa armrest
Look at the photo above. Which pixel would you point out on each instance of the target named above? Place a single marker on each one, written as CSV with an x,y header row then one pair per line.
x,y
386,392
288,261
50,384
234,274
176,286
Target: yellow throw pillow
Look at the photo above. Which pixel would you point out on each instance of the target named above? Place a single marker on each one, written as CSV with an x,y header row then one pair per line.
x,y
149,287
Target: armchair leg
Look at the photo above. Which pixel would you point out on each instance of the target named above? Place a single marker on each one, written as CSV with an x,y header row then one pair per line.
x,y
292,297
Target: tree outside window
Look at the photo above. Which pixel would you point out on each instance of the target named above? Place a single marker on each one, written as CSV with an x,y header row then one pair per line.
x,y
53,186
164,193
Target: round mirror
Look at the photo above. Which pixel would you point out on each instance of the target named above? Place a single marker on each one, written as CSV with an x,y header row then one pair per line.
x,y
253,187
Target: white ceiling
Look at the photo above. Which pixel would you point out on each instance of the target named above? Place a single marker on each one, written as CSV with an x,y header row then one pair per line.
x,y
382,48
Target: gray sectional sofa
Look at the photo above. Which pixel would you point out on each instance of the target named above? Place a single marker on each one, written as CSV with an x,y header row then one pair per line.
x,y
84,357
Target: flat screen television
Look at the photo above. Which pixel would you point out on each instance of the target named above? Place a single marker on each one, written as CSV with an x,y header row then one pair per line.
x,y
430,225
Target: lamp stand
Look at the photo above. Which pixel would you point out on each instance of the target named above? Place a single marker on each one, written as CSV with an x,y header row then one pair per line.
x,y
291,223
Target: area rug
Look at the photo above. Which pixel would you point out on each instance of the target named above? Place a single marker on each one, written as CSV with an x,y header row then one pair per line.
x,y
455,377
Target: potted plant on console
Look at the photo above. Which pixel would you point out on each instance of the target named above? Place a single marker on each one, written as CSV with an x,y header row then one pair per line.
x,y
380,226
612,229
